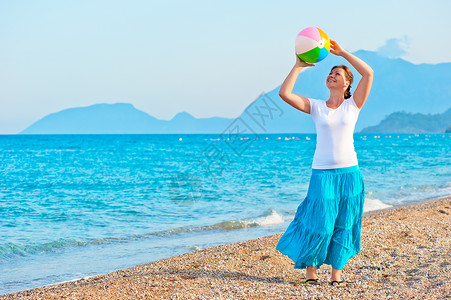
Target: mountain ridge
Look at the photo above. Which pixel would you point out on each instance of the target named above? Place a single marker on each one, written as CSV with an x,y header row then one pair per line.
x,y
120,118
398,86
403,122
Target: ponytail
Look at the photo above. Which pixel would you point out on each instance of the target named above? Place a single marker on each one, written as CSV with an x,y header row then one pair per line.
x,y
348,92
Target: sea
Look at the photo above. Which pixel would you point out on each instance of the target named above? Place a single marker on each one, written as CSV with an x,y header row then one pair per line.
x,y
75,206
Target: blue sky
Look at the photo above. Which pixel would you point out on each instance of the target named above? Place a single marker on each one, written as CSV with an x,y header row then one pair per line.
x,y
209,58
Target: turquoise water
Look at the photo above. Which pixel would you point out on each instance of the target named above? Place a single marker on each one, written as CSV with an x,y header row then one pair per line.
x,y
74,206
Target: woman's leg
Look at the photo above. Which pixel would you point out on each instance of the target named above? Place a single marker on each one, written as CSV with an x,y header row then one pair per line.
x,y
335,278
310,273
336,275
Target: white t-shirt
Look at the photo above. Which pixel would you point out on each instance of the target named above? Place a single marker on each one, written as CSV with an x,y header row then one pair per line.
x,y
334,129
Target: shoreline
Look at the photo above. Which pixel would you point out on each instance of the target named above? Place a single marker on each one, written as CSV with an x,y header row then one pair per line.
x,y
406,252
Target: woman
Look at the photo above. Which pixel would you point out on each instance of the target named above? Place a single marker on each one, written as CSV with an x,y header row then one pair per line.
x,y
326,227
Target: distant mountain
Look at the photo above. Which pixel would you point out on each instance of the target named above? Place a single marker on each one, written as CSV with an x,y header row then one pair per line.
x,y
402,122
120,118
398,86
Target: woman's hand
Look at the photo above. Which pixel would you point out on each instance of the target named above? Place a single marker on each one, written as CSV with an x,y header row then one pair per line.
x,y
303,64
336,49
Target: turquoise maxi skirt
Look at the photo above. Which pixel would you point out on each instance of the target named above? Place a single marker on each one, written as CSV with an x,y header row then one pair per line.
x,y
326,227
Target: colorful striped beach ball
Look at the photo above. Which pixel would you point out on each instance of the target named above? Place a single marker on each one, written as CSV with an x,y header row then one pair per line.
x,y
312,45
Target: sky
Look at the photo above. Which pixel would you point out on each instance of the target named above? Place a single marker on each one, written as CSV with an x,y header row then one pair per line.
x,y
208,58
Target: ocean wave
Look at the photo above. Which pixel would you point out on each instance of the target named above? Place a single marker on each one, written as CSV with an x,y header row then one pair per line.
x,y
9,250
425,191
269,219
413,193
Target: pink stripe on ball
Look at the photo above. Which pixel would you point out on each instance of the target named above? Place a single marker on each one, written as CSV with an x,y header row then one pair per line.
x,y
311,32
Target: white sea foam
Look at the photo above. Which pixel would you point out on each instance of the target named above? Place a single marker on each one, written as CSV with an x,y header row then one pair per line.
x,y
269,219
374,204
272,219
196,248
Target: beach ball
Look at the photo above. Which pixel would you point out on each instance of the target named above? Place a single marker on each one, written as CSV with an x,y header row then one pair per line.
x,y
312,45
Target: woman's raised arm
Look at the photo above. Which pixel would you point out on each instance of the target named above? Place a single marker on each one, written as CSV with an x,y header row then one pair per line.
x,y
286,90
363,88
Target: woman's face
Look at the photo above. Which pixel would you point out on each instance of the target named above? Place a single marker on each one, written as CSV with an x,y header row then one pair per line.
x,y
337,79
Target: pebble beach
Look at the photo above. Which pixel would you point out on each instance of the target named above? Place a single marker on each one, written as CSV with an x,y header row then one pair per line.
x,y
406,253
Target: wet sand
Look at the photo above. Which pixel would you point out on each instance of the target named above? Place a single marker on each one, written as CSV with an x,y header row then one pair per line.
x,y
406,253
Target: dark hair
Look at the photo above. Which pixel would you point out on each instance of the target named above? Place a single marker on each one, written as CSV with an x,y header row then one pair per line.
x,y
348,77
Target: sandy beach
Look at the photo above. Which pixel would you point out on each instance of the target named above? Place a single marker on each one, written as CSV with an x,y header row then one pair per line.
x,y
406,253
